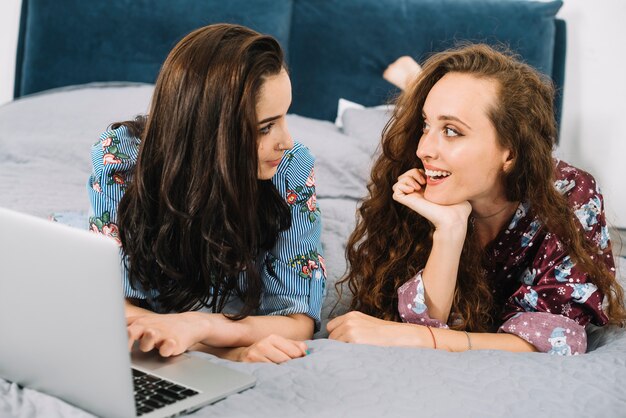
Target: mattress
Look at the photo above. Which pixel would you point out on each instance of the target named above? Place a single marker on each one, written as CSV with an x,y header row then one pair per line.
x,y
44,164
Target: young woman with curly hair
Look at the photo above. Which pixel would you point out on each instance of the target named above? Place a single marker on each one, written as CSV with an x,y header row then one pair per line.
x,y
214,205
472,235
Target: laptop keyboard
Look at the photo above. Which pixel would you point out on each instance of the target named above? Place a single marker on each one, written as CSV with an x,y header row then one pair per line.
x,y
152,392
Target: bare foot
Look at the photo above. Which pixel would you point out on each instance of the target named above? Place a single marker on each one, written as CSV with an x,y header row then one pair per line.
x,y
402,72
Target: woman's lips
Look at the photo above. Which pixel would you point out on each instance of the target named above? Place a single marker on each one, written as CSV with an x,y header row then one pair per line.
x,y
435,176
433,182
274,163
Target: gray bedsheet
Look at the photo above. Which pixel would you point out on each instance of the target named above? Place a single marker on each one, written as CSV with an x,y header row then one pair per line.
x,y
44,163
344,380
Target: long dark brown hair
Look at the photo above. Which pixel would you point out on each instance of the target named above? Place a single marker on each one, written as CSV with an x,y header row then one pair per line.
x,y
195,215
391,242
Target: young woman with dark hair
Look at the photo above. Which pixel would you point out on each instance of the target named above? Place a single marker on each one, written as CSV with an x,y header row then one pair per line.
x,y
214,205
473,236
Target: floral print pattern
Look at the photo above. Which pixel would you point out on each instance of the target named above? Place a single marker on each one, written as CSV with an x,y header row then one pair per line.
x,y
310,265
116,178
305,198
96,187
104,226
110,148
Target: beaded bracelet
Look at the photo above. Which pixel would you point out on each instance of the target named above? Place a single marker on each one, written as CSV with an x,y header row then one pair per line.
x,y
432,335
469,341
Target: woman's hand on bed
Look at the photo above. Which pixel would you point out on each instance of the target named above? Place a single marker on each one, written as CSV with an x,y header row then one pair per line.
x,y
359,328
409,191
273,349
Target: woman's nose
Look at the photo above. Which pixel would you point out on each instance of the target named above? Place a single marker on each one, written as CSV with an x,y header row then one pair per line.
x,y
286,140
427,146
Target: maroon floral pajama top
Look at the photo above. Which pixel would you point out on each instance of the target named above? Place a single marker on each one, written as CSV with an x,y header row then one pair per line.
x,y
549,300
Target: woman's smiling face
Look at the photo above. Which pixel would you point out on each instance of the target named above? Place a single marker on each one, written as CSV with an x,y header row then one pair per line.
x,y
459,148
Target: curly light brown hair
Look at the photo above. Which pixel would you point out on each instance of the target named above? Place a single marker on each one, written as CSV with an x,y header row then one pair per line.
x,y
391,242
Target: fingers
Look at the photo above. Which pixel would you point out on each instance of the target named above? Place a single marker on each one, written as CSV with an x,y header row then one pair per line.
x,y
146,337
400,189
150,337
134,334
292,348
335,334
344,333
148,340
353,327
276,355
280,349
169,347
134,329
416,174
338,325
409,182
333,323
274,349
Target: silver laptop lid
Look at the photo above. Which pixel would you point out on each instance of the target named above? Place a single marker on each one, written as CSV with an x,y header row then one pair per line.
x,y
58,285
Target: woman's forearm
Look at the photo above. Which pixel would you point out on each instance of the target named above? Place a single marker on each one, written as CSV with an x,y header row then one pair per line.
x,y
216,330
224,332
457,341
441,270
357,327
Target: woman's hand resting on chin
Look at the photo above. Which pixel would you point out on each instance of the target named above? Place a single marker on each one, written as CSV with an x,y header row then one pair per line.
x,y
409,191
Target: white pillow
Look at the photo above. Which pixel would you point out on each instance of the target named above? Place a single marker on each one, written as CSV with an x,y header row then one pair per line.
x,y
345,104
366,124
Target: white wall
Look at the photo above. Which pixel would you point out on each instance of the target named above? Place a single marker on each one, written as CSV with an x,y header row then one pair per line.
x,y
593,132
593,135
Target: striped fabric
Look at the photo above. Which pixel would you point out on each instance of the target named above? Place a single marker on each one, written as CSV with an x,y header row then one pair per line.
x,y
293,272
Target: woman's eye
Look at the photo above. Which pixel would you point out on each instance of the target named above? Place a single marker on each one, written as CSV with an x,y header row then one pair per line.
x,y
450,132
425,127
266,129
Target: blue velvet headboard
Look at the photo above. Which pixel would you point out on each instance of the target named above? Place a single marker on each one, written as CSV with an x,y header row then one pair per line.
x,y
335,48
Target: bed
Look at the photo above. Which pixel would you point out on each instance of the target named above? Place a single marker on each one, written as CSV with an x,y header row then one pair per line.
x,y
66,99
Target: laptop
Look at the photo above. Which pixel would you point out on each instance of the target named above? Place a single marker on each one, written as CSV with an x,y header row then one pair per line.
x,y
63,330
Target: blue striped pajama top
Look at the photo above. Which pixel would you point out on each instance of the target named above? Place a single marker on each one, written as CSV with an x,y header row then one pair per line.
x,y
293,272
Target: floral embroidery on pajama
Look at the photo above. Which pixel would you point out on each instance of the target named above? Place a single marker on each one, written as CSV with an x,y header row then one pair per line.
x,y
304,197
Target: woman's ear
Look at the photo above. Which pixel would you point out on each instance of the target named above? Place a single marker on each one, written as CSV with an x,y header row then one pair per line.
x,y
509,161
